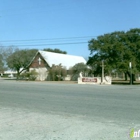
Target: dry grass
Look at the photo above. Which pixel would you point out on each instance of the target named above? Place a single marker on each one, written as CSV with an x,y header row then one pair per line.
x,y
123,82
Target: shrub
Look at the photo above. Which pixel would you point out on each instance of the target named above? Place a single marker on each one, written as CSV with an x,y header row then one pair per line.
x,y
32,75
57,73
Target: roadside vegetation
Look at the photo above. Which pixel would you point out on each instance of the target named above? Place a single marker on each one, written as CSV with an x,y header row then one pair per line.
x,y
117,50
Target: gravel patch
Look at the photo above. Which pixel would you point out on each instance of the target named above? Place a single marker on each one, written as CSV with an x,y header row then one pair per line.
x,y
16,124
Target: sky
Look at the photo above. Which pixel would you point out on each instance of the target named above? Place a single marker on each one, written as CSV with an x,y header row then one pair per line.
x,y
64,24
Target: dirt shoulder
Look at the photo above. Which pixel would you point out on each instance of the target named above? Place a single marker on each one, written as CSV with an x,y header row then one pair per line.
x,y
20,124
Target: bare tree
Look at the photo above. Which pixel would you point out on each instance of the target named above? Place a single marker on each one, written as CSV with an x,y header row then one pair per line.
x,y
5,52
20,59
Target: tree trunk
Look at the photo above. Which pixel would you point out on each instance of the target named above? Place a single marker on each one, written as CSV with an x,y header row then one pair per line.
x,y
133,78
126,76
18,75
129,74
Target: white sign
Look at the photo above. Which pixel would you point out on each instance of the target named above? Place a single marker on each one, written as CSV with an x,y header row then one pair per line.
x,y
88,79
130,64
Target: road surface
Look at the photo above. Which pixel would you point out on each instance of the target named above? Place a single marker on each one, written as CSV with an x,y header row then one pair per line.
x,y
53,111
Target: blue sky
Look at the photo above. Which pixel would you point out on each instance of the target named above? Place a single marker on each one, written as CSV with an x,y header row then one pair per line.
x,y
64,24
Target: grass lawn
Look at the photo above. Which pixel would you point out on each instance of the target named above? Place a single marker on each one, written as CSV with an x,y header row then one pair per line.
x,y
123,82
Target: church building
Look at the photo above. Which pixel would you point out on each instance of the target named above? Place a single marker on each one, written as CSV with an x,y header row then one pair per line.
x,y
44,60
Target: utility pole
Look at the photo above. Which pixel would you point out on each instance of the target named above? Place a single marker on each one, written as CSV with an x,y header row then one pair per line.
x,y
130,66
102,79
39,62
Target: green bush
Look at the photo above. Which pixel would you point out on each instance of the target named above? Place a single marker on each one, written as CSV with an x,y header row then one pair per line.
x,y
32,75
56,73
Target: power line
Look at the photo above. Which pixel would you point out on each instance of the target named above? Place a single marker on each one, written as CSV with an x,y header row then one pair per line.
x,y
55,44
67,38
50,39
55,41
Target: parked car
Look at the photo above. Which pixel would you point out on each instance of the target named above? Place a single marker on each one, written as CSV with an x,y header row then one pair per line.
x,y
10,75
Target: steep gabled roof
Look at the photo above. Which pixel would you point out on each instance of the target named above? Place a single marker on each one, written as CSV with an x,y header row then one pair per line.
x,y
63,59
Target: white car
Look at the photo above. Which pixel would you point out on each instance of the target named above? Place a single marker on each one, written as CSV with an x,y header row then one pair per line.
x,y
10,75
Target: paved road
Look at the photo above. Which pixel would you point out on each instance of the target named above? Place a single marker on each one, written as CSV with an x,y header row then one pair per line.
x,y
71,111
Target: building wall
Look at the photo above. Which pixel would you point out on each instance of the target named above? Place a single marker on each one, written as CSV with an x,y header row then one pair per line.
x,y
41,68
35,62
42,73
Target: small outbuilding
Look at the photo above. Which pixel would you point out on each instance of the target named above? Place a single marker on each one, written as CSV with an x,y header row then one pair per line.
x,y
44,60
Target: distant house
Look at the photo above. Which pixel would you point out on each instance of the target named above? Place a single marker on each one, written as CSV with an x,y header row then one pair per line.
x,y
43,60
8,73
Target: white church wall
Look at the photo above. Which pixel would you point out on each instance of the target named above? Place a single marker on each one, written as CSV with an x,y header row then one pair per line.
x,y
42,73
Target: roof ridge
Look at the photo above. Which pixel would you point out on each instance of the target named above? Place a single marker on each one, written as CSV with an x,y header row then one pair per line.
x,y
60,53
